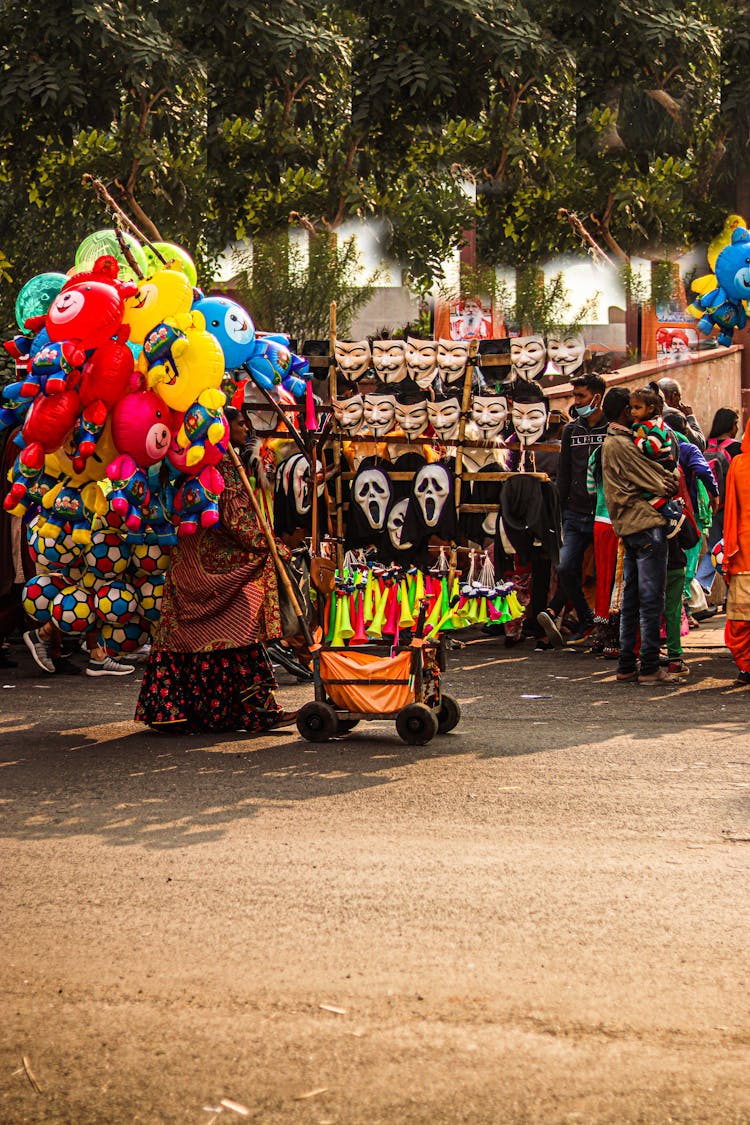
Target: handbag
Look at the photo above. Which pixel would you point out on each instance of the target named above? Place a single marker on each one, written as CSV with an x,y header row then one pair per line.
x,y
323,575
299,574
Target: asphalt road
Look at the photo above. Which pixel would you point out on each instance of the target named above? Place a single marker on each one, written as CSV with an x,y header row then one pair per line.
x,y
541,917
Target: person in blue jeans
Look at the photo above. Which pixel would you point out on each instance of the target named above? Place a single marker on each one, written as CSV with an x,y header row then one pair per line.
x,y
579,439
627,476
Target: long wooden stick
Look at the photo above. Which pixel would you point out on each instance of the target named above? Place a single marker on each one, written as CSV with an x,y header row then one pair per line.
x,y
278,561
336,446
116,209
458,470
277,409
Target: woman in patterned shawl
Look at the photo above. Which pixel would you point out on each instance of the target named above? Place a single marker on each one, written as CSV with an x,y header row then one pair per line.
x,y
208,669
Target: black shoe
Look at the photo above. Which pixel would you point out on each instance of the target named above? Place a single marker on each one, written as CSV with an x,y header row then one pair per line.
x,y
543,645
548,623
703,614
286,658
743,679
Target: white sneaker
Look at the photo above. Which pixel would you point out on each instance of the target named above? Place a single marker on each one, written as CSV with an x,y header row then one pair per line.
x,y
108,667
140,656
39,651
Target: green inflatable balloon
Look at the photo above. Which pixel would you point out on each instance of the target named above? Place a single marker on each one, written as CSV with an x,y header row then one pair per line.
x,y
105,242
37,295
172,253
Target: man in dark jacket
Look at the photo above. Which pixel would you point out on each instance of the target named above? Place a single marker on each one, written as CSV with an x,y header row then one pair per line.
x,y
579,439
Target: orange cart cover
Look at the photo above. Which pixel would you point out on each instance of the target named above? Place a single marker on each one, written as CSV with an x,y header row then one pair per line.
x,y
365,694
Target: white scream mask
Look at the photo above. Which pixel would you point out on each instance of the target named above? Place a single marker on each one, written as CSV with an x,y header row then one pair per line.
x,y
396,518
349,413
353,360
445,418
421,361
451,360
489,413
389,360
379,414
529,421
372,493
432,486
528,356
566,352
301,486
412,417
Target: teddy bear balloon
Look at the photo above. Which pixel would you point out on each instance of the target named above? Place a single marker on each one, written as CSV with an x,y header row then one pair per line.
x,y
722,296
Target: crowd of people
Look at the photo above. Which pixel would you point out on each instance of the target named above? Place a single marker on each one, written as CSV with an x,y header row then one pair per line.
x,y
647,504
644,498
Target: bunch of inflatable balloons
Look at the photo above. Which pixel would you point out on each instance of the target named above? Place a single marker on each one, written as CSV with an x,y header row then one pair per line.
x,y
119,411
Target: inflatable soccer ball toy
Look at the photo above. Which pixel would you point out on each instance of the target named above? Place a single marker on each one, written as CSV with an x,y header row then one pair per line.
x,y
73,610
53,555
129,637
39,593
107,555
148,559
149,592
115,602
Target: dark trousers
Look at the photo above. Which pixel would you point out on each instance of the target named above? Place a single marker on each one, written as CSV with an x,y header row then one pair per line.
x,y
644,584
578,534
541,573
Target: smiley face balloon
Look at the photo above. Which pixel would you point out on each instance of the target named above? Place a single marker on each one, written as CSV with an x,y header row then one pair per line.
x,y
168,293
232,326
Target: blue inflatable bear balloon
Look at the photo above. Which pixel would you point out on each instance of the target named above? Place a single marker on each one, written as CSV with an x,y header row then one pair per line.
x,y
267,358
232,326
722,296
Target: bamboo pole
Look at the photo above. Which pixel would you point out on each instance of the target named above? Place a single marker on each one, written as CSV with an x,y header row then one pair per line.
x,y
465,400
269,537
117,210
279,412
336,445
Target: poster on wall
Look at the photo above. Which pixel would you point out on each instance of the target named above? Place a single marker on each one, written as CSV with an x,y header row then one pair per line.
x,y
468,318
676,339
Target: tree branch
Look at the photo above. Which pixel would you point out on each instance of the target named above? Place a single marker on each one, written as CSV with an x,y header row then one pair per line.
x,y
603,226
146,223
673,107
291,97
580,230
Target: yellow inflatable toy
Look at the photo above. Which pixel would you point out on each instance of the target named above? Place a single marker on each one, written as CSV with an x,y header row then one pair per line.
x,y
183,363
164,295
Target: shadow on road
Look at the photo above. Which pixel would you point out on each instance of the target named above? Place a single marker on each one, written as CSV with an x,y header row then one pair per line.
x,y
67,770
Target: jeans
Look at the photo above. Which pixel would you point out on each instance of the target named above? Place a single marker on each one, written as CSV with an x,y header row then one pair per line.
x,y
578,534
644,584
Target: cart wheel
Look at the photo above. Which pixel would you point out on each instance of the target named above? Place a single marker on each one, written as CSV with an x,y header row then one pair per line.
x,y
345,725
317,722
416,724
448,714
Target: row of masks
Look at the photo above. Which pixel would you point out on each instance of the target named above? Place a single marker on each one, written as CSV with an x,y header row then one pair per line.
x,y
492,417
431,363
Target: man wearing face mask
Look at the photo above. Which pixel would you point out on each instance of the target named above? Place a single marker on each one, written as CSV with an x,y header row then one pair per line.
x,y
579,439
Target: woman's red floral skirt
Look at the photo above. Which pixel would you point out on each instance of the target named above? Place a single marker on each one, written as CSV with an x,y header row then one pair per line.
x,y
196,692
